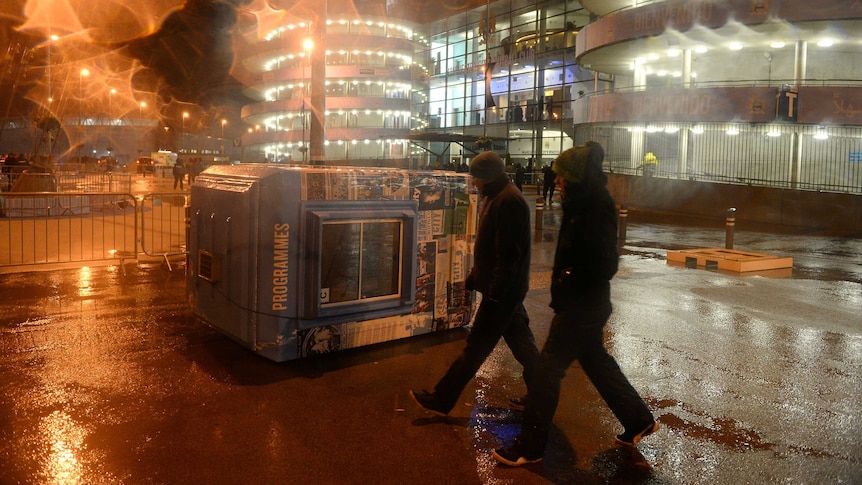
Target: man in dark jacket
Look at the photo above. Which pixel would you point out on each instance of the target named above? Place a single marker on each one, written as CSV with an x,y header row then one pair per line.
x,y
179,172
501,272
548,183
519,177
584,263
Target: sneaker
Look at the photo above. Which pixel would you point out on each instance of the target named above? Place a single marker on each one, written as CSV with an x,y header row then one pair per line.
x,y
630,438
513,456
518,403
428,401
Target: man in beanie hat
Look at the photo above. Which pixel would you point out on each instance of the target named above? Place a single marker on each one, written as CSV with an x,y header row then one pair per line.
x,y
584,263
501,272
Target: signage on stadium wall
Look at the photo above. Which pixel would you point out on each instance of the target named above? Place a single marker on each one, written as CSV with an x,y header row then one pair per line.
x,y
370,71
694,105
812,105
682,15
840,105
786,103
526,57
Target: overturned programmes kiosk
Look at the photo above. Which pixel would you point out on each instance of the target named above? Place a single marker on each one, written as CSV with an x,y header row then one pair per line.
x,y
299,261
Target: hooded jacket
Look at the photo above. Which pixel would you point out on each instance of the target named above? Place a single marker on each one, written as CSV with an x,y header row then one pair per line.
x,y
501,269
586,257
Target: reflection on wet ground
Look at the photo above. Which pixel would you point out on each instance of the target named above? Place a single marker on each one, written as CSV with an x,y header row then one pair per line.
x,y
109,379
815,255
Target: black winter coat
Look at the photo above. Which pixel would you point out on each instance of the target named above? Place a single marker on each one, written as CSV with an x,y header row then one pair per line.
x,y
501,269
586,258
549,177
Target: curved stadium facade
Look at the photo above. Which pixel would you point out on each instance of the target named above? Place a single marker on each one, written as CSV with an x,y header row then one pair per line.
x,y
743,103
368,87
753,104
738,92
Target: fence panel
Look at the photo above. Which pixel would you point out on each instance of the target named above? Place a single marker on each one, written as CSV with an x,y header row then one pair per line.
x,y
64,181
94,182
163,224
43,227
798,157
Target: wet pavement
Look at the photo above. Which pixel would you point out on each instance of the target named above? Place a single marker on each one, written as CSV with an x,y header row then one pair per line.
x,y
108,379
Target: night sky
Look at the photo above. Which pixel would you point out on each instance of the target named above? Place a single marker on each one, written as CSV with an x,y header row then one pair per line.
x,y
187,51
192,53
187,61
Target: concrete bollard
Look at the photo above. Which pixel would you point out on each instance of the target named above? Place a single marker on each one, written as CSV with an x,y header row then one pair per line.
x,y
540,209
623,220
730,225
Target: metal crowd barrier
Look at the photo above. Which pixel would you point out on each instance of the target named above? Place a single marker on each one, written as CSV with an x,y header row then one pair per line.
x,y
94,182
163,224
65,227
60,227
76,181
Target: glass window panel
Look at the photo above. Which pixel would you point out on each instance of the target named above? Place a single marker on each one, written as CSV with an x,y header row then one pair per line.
x,y
336,58
360,260
376,28
339,278
381,256
338,27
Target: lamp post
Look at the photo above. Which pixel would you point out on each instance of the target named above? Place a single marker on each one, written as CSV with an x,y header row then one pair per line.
x,y
221,140
143,126
111,121
84,73
183,131
54,38
307,46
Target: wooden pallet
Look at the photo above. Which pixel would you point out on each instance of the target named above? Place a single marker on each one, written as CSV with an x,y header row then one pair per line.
x,y
728,259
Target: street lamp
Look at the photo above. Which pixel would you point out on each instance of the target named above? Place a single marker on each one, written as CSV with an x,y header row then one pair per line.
x,y
223,122
307,46
183,131
243,153
54,38
111,121
84,73
143,126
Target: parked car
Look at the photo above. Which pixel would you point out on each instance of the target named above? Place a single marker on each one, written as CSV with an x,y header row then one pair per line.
x,y
145,165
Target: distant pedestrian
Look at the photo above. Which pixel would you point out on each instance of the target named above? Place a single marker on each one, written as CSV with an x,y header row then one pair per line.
x,y
585,261
518,115
190,170
649,165
548,184
195,168
519,176
179,174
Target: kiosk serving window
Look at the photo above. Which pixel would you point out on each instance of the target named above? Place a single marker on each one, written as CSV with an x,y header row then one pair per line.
x,y
361,258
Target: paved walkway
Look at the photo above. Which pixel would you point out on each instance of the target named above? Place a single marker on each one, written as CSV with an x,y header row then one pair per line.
x,y
109,379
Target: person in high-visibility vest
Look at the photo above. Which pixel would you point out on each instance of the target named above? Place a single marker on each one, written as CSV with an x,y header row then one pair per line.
x,y
649,164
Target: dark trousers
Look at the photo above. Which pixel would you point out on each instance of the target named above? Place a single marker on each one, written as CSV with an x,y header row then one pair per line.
x,y
548,190
578,334
493,320
178,180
